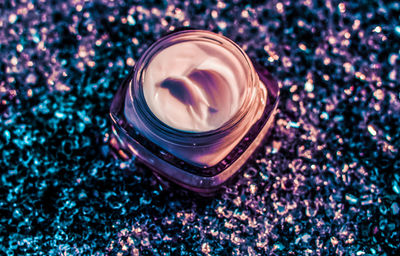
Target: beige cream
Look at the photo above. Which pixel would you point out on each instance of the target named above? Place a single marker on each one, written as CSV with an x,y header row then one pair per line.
x,y
194,86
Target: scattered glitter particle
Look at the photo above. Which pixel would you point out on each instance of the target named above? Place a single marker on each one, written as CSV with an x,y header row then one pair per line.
x,y
392,75
302,46
372,130
79,7
205,248
111,18
395,208
19,47
130,62
342,7
397,30
14,61
334,241
12,18
396,187
324,116
377,29
222,25
379,95
279,7
351,199
131,20
309,86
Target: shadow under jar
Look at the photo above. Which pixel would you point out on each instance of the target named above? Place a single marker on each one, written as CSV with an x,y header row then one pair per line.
x,y
194,109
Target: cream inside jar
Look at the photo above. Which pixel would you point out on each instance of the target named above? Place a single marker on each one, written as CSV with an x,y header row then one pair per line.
x,y
194,86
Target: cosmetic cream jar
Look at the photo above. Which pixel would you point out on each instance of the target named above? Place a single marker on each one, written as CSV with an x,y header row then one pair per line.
x,y
194,109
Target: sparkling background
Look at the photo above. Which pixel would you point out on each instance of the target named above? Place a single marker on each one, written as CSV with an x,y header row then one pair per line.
x,y
327,182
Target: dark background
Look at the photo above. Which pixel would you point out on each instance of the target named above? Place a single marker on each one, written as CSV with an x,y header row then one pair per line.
x,y
327,181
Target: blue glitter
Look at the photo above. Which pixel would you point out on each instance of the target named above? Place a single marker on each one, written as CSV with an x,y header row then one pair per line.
x,y
397,30
395,208
396,187
325,183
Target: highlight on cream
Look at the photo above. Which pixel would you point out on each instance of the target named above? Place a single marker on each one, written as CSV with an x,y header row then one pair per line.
x,y
194,86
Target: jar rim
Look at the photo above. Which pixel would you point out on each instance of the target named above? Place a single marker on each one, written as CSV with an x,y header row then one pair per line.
x,y
136,84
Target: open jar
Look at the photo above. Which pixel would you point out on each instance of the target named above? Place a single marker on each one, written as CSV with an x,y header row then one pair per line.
x,y
194,109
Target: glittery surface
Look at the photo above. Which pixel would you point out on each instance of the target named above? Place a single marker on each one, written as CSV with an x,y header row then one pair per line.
x,y
326,183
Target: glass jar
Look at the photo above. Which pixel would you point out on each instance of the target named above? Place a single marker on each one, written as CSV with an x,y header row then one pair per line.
x,y
199,161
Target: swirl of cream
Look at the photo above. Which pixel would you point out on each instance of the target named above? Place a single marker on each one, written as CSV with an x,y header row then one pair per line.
x,y
194,86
